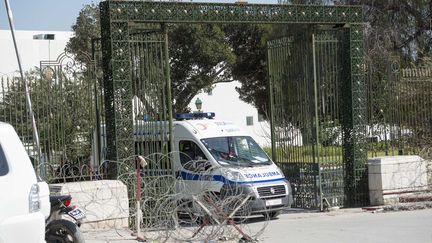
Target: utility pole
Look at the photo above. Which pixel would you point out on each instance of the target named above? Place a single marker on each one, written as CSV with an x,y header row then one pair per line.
x,y
27,92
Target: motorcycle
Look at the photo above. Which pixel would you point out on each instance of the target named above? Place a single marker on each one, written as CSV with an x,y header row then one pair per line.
x,y
59,229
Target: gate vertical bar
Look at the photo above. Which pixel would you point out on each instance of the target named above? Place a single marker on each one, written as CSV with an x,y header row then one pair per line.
x,y
317,124
168,90
271,95
96,48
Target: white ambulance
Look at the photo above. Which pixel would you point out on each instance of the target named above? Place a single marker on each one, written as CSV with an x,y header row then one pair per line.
x,y
217,156
232,159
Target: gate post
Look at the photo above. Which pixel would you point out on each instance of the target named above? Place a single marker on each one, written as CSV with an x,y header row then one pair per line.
x,y
118,88
354,120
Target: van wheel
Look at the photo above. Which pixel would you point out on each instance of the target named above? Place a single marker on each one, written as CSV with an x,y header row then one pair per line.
x,y
63,231
271,215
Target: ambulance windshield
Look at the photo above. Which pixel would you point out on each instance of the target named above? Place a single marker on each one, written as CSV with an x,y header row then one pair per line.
x,y
240,151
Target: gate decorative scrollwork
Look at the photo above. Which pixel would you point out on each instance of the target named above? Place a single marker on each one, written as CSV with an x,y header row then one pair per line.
x,y
65,111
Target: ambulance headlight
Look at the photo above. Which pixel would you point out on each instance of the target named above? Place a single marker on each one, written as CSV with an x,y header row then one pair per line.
x,y
280,172
233,175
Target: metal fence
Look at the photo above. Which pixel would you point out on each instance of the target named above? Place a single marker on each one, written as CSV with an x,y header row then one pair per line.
x,y
399,107
308,138
306,85
63,93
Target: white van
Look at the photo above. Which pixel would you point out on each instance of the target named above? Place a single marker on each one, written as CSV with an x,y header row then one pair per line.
x,y
236,160
227,156
24,203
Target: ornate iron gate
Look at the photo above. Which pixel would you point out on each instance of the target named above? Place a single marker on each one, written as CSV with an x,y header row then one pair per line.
x,y
308,123
119,18
138,101
152,94
62,92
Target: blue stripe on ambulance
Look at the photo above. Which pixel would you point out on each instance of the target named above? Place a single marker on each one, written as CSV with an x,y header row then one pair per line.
x,y
195,177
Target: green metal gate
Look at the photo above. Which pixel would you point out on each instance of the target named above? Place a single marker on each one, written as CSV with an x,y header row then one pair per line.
x,y
119,18
62,93
138,101
152,94
306,76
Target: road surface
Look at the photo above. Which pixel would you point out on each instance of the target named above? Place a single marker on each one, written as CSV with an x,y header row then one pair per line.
x,y
349,225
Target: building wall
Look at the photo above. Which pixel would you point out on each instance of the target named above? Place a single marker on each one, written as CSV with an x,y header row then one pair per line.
x,y
31,51
225,102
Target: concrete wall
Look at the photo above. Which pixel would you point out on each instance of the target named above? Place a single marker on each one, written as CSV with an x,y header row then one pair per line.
x,y
104,202
394,176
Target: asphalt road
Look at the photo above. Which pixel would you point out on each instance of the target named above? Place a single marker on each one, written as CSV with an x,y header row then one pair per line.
x,y
349,225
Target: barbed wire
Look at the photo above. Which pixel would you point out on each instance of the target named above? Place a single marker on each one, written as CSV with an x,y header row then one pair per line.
x,y
177,207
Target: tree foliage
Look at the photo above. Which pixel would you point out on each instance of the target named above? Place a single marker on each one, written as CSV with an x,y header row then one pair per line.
x,y
203,55
86,28
249,46
200,57
199,54
401,27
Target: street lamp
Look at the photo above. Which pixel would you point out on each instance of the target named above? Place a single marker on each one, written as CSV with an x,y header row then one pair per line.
x,y
198,104
48,37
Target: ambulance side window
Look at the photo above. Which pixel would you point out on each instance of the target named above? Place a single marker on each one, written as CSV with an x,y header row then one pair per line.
x,y
4,169
191,156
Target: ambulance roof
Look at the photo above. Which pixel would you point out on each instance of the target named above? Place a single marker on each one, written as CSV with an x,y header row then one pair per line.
x,y
207,128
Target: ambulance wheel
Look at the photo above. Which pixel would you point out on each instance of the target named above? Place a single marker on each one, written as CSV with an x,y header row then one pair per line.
x,y
271,215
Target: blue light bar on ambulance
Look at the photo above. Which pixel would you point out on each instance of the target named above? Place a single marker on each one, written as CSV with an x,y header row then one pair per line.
x,y
198,115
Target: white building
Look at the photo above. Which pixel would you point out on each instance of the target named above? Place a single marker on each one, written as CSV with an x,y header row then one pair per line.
x,y
225,102
32,50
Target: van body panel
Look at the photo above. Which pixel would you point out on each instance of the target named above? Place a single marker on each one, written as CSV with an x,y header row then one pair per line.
x,y
23,228
15,186
265,182
261,177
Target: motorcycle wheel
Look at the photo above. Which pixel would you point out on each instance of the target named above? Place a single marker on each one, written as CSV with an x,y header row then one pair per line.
x,y
63,231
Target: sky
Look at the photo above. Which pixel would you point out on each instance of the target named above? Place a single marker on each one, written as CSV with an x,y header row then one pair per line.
x,y
57,15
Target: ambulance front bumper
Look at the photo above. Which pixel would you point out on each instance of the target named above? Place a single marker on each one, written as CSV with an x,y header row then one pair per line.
x,y
263,197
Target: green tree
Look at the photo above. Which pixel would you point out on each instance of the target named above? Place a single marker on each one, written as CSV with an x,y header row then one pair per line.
x,y
86,28
250,69
200,57
63,111
401,27
199,54
393,28
249,44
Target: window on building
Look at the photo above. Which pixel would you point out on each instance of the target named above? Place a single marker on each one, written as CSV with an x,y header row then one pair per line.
x,y
4,169
249,121
261,117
